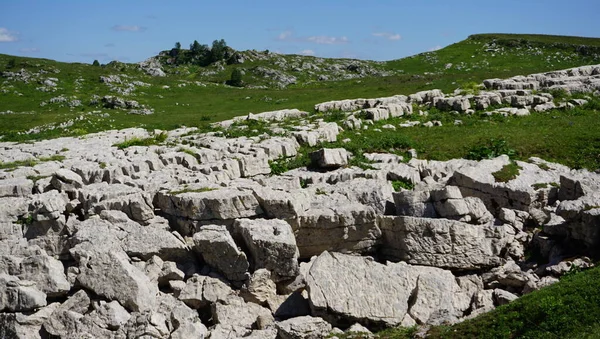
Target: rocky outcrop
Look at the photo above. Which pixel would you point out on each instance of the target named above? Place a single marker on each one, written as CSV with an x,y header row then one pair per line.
x,y
212,236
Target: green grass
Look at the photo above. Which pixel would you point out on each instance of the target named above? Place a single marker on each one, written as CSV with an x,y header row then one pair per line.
x,y
154,140
30,162
402,184
193,190
35,178
18,163
194,105
507,173
567,309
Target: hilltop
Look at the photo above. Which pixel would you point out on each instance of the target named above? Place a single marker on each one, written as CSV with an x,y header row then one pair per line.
x,y
45,98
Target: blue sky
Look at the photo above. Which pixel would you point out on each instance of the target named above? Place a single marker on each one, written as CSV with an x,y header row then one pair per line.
x,y
133,30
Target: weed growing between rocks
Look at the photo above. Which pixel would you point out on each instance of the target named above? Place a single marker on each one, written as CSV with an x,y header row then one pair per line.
x,y
30,162
193,190
398,185
154,140
507,173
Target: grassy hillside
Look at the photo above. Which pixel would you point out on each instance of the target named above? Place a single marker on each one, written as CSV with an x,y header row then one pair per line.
x,y
193,96
567,309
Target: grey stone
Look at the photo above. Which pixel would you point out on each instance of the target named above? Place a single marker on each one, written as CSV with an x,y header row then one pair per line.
x,y
218,249
305,327
112,276
272,245
443,243
329,158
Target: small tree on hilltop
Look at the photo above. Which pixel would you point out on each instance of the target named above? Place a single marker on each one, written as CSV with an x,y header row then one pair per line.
x,y
236,78
96,63
178,45
217,52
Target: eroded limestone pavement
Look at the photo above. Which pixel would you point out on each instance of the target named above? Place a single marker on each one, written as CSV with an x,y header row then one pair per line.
x,y
196,239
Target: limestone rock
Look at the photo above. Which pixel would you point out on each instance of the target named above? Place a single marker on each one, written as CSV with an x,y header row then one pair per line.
x,y
336,225
234,312
18,187
345,289
19,295
112,276
329,158
442,242
305,327
218,249
201,291
219,204
271,244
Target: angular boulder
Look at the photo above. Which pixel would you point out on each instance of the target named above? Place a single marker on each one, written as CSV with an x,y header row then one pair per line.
x,y
444,243
329,158
345,289
218,249
271,244
112,276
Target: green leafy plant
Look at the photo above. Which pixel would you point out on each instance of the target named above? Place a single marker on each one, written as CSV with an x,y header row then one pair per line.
x,y
25,220
490,149
398,185
279,166
470,87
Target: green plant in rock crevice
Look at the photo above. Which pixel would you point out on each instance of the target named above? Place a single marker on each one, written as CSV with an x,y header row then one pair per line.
x,y
507,173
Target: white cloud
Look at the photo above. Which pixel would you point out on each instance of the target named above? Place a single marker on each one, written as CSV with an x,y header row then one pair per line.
x,y
126,28
286,35
317,39
307,52
29,50
435,48
327,40
7,36
388,35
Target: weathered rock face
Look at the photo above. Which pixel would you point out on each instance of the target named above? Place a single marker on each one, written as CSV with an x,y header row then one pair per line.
x,y
271,244
516,194
349,227
218,204
345,289
303,327
218,249
111,275
444,243
329,158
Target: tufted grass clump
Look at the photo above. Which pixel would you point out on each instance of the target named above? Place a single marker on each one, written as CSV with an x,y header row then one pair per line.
x,y
157,139
507,173
193,190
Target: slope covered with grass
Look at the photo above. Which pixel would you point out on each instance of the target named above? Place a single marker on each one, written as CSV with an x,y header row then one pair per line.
x,y
194,96
568,309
